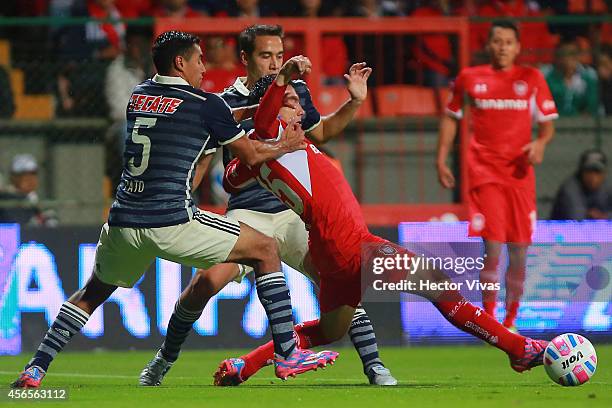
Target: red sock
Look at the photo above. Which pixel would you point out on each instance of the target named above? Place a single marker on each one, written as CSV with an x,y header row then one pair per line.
x,y
489,275
309,335
471,319
511,312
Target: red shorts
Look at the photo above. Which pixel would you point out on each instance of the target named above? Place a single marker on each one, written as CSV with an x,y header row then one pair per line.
x,y
341,280
502,213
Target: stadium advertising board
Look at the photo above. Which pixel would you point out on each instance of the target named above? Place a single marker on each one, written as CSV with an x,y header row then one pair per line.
x,y
39,268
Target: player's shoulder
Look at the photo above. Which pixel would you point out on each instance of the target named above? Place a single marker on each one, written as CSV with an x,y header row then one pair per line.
x,y
529,72
236,95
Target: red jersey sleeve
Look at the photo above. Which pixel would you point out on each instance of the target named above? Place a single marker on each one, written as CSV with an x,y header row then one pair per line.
x,y
454,107
267,124
545,108
237,176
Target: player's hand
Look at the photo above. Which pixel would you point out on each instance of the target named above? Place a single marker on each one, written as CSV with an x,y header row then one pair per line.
x,y
357,81
534,151
445,176
292,138
293,68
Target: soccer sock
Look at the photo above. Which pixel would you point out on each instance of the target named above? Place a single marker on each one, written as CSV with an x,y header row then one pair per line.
x,y
179,326
515,279
363,338
274,296
489,275
471,319
309,335
69,321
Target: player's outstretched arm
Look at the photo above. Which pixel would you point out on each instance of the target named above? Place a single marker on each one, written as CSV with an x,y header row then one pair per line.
x,y
357,86
446,136
254,152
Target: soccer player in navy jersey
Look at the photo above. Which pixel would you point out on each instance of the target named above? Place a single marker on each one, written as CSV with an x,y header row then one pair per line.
x,y
261,51
171,126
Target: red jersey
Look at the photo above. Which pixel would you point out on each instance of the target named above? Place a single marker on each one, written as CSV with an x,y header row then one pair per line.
x,y
309,184
502,105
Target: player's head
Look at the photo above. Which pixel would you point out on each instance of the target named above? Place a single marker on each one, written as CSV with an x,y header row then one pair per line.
x,y
504,43
176,53
592,169
291,107
261,50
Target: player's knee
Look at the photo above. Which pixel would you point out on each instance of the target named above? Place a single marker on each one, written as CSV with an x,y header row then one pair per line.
x,y
268,249
202,285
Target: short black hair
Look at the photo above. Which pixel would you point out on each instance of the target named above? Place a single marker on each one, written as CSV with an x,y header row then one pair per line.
x,y
168,46
510,24
246,39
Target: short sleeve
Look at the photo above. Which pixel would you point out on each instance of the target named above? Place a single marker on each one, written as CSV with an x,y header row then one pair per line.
x,y
545,108
454,106
312,117
218,119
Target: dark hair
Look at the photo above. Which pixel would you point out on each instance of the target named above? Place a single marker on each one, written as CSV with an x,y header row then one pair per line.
x,y
260,88
168,46
504,24
246,39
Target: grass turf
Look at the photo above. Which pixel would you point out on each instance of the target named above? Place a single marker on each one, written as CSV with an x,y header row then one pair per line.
x,y
439,377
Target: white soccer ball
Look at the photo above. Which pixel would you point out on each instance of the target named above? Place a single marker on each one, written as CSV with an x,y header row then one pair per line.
x,y
570,359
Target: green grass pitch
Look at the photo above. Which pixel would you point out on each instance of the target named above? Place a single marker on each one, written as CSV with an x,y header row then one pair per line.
x,y
477,376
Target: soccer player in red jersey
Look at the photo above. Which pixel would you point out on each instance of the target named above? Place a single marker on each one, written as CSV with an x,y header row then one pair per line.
x,y
309,184
503,99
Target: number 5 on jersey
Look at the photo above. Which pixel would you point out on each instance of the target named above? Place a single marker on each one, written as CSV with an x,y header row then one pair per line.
x,y
143,140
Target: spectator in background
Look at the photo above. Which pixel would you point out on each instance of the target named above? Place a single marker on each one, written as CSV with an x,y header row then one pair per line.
x,y
175,8
585,195
134,8
21,196
434,52
376,8
604,69
7,101
123,74
334,54
574,86
87,50
222,66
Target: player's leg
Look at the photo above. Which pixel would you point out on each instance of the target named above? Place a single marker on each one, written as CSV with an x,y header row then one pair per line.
x,y
292,238
515,280
524,352
522,216
332,326
118,262
210,239
489,274
488,206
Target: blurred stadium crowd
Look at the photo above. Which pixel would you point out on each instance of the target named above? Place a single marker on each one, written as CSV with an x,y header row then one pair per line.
x,y
88,70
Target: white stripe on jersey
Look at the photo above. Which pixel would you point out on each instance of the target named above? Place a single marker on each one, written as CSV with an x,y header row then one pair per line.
x,y
297,164
190,93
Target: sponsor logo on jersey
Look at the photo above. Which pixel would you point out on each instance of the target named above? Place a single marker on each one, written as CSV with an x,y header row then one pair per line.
x,y
502,104
480,88
153,104
520,88
548,105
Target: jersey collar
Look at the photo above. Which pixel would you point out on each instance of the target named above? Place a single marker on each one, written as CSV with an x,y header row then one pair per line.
x,y
240,87
169,80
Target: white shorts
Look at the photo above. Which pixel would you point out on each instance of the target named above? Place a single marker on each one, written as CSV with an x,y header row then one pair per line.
x,y
123,254
285,227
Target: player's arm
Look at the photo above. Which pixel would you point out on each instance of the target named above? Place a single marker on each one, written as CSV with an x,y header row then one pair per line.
x,y
200,170
546,112
447,132
335,123
446,137
253,152
237,176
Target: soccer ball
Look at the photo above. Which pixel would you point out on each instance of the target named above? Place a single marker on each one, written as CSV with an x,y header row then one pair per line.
x,y
570,359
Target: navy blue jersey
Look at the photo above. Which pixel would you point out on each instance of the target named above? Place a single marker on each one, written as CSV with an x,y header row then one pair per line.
x,y
255,197
170,125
